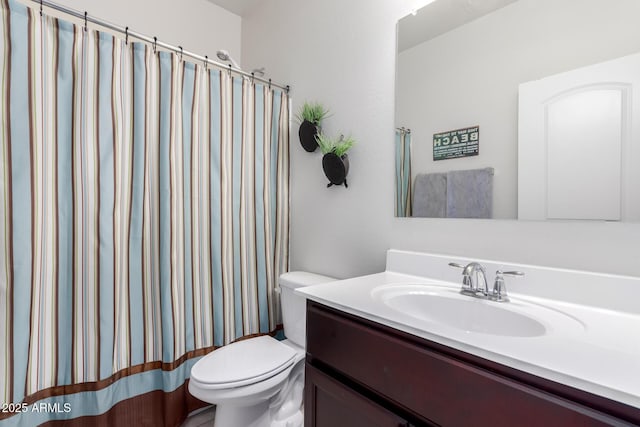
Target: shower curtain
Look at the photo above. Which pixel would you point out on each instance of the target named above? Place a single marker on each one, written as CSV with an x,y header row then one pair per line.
x,y
144,222
403,173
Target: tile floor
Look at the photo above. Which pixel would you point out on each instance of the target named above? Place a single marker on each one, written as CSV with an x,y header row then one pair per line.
x,y
201,418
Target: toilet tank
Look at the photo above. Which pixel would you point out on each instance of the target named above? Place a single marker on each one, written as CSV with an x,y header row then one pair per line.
x,y
294,307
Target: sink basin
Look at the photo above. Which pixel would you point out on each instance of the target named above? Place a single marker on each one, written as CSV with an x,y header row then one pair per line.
x,y
446,306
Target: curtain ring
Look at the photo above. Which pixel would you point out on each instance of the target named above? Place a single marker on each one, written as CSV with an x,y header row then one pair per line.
x,y
126,35
229,69
155,44
288,89
269,83
85,20
180,53
206,62
253,76
41,8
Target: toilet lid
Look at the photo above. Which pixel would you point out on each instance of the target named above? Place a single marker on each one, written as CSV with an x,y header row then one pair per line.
x,y
243,362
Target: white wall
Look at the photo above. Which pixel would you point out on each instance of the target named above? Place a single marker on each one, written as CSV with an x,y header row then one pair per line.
x,y
470,76
340,53
198,26
343,54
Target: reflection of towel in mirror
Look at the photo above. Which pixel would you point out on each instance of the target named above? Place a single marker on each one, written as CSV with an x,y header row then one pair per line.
x,y
470,193
430,195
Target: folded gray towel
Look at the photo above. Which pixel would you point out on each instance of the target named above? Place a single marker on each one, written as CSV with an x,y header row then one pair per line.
x,y
470,193
430,195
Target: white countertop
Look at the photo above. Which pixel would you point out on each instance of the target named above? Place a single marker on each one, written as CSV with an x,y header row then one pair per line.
x,y
602,356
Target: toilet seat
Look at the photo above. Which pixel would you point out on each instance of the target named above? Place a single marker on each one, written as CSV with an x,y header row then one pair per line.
x,y
243,363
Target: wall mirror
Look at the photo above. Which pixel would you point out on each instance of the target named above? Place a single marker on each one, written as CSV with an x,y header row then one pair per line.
x,y
519,109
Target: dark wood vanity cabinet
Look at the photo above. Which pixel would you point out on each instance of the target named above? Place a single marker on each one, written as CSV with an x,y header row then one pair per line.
x,y
360,373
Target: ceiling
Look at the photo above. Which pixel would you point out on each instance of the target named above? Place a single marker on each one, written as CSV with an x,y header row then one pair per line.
x,y
432,20
441,16
239,7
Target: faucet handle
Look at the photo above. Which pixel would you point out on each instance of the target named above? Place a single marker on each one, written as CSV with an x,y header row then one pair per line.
x,y
499,292
511,273
467,282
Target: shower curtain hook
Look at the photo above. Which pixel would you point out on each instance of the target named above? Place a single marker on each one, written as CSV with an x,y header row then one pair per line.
x,y
253,76
288,89
269,83
155,44
180,53
40,8
206,62
229,69
126,35
85,20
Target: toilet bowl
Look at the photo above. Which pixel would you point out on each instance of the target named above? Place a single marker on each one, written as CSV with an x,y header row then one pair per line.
x,y
258,382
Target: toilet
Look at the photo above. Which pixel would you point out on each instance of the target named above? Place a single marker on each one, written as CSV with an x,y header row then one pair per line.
x,y
258,382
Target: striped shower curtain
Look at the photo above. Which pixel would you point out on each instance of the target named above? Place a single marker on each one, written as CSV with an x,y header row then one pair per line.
x,y
144,221
403,173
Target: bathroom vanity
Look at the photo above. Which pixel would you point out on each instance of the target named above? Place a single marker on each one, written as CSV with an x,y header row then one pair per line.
x,y
370,362
357,370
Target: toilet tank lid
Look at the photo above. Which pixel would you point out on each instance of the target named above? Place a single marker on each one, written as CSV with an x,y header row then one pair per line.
x,y
296,279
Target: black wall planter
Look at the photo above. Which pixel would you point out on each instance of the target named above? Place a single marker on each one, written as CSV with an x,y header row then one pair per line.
x,y
336,169
307,134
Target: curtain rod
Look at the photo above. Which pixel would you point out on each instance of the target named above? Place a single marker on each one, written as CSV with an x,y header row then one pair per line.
x,y
152,41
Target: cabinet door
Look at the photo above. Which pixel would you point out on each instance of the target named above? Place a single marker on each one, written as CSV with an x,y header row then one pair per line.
x,y
329,403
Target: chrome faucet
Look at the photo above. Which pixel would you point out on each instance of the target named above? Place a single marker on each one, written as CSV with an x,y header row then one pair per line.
x,y
474,282
474,279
